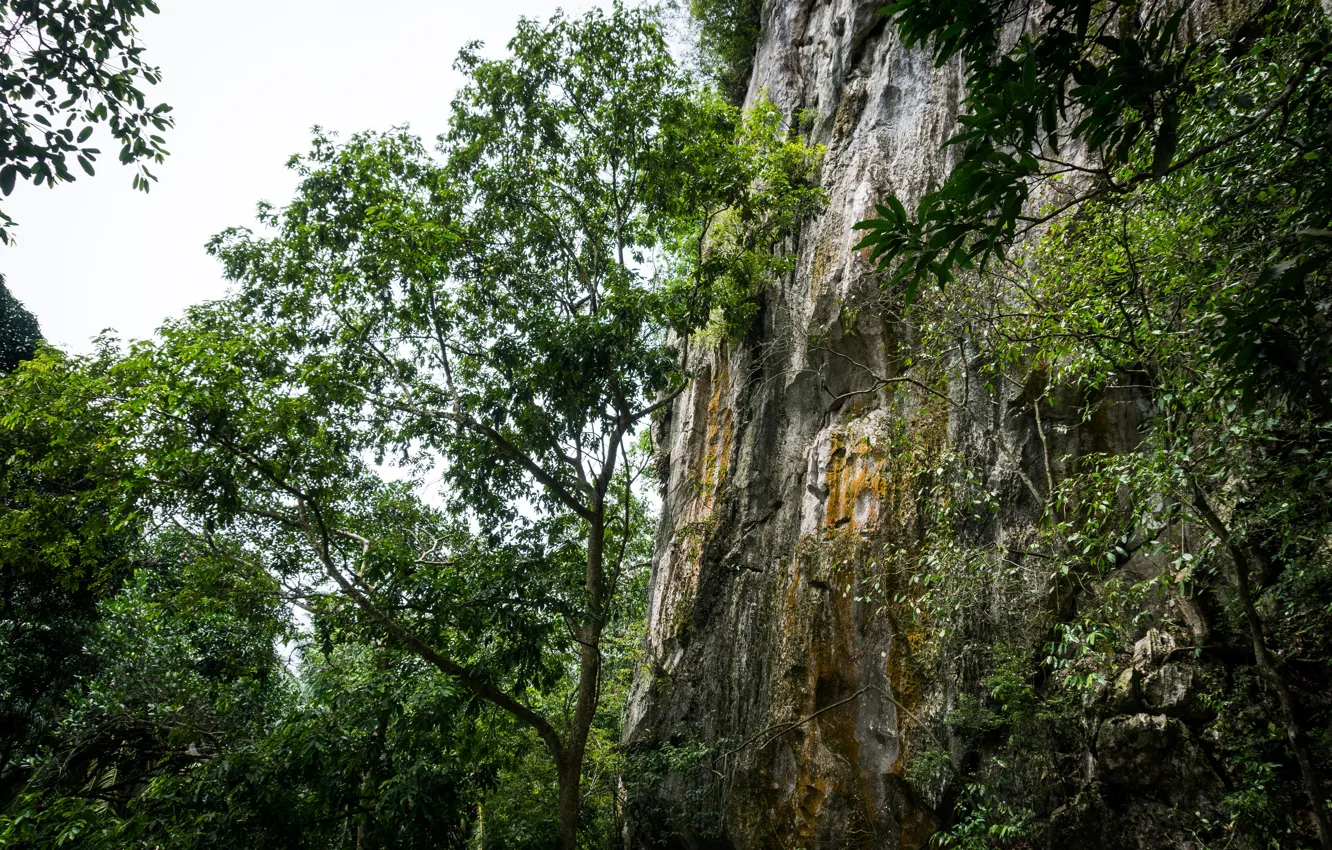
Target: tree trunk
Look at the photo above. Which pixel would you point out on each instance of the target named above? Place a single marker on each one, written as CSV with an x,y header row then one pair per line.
x,y
1263,658
1289,722
569,761
370,778
570,771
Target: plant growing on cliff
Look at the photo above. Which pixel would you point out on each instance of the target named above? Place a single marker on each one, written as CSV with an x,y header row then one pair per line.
x,y
1151,212
486,317
1076,102
734,244
728,33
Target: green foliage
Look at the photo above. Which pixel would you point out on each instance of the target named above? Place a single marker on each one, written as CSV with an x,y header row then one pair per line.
x,y
19,332
374,750
157,712
175,677
67,539
1176,278
990,822
67,491
1104,85
520,809
413,420
1026,731
68,66
766,187
491,322
1253,751
728,33
698,812
192,733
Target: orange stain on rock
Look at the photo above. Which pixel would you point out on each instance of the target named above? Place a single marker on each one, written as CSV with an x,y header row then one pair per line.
x,y
874,474
708,461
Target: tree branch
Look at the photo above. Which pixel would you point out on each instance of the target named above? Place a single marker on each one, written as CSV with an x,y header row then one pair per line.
x,y
477,685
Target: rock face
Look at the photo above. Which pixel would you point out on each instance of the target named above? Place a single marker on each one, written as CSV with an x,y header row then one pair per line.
x,y
793,463
777,482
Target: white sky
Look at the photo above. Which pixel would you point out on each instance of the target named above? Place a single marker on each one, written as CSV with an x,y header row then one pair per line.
x,y
247,80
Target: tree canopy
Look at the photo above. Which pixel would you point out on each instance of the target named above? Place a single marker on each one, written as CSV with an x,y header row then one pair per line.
x,y
19,331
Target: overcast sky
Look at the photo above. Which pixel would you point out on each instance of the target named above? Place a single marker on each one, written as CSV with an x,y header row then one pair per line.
x,y
247,79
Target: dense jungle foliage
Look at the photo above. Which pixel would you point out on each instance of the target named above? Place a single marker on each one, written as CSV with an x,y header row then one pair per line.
x,y
357,556
1141,215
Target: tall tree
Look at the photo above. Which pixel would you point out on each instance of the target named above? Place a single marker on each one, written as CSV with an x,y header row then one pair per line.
x,y
497,322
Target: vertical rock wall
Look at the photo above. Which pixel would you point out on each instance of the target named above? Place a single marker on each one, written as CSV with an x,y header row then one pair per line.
x,y
789,465
778,482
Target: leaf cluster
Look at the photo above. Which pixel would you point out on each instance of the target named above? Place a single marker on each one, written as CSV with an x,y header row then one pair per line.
x,y
728,33
67,66
1069,103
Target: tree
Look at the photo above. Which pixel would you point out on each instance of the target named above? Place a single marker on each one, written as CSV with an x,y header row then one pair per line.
x,y
66,540
65,67
178,675
497,321
144,701
19,331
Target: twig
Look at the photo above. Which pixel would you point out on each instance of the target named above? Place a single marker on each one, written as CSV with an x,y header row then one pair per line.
x,y
780,729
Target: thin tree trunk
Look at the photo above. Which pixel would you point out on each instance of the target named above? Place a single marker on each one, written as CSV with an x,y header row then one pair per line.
x,y
570,763
1289,722
370,778
570,772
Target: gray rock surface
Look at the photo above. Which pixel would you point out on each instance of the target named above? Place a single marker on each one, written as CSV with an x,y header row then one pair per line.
x,y
1169,689
776,488
787,469
1154,753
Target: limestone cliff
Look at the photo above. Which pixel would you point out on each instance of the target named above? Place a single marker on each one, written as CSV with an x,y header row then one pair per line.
x,y
794,462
